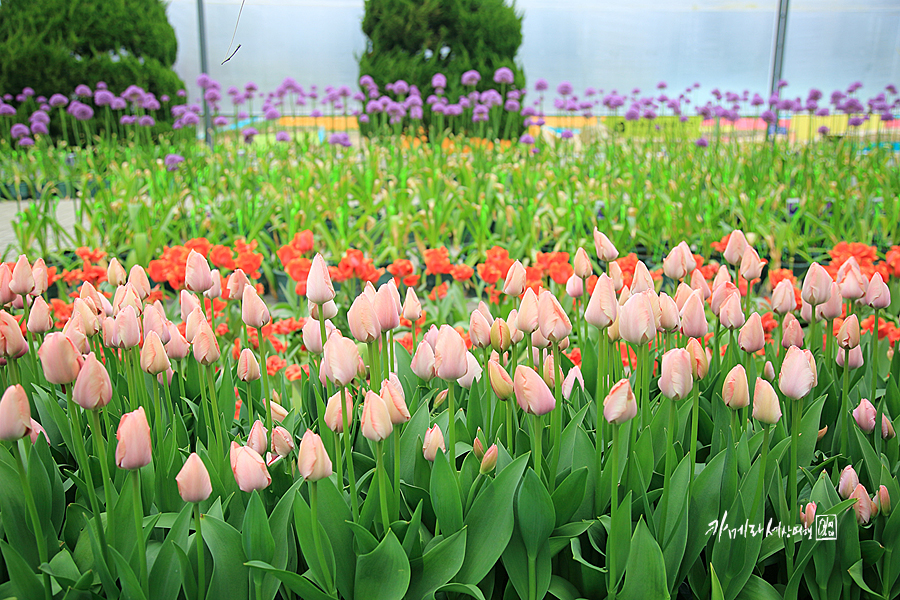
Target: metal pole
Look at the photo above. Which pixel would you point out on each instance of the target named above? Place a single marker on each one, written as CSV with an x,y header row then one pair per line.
x,y
778,58
201,25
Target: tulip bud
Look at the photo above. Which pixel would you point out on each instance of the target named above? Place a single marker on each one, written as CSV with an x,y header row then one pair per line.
x,y
552,319
6,294
856,358
605,249
851,281
847,482
693,317
532,393
215,291
489,461
440,398
730,314
783,297
393,397
514,284
412,308
93,388
883,501
734,250
676,379
878,294
808,515
313,462
574,287
35,431
582,264
642,280
153,355
376,419
620,406
572,377
128,328
22,281
735,390
615,275
193,479
833,307
848,335
115,273
40,278
137,279
864,414
341,360
15,414
205,344
248,366
792,333
423,362
12,342
549,372
863,507
769,371
386,311
197,275
155,321
319,288
450,355
637,323
40,320
364,324
477,446
752,338
887,428
798,373
473,372
751,265
766,408
527,317
59,358
479,330
602,308
254,312
249,468
501,338
501,382
434,439
178,347
699,359
133,435
668,313
816,285
279,413
334,419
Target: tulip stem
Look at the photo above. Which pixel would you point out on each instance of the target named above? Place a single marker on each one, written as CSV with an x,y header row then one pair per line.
x,y
84,462
510,438
104,468
348,448
613,507
670,455
451,426
207,413
845,408
695,415
139,529
796,414
556,417
760,486
35,519
374,370
873,362
29,337
214,404
396,437
537,431
158,413
201,559
265,370
382,485
129,377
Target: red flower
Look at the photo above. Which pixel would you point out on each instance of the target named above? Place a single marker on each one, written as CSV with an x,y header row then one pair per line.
x,y
489,273
201,245
90,255
437,261
462,272
560,272
221,257
293,372
439,292
275,364
721,244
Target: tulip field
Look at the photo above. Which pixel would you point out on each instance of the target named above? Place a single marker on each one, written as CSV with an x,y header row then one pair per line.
x,y
421,365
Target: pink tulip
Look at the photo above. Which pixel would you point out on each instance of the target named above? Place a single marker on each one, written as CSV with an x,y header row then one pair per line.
x,y
376,419
93,388
133,435
205,344
258,439
848,335
449,355
863,507
574,376
851,281
720,294
35,431
693,317
832,308
59,359
22,281
501,337
676,379
808,515
115,273
501,382
792,333
798,373
620,405
128,328
423,362
642,280
178,347
489,460
532,393
549,372
669,319
730,314
769,371
319,288
887,428
582,264
552,319
528,315
249,469
386,309
752,338
153,355
602,308
40,320
313,462
6,294
883,501
514,284
236,283
734,250
479,330
679,262
333,417
751,264
604,248
473,372
412,308
215,291
735,390
254,312
154,320
434,439
197,275
312,335
766,408
110,333
12,342
193,480
364,323
699,284
847,482
816,285
393,397
15,414
878,294
783,298
74,330
637,323
699,359
137,279
615,274
864,414
341,359
248,366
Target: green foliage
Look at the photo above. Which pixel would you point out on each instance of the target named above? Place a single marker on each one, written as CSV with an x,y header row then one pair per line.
x,y
413,40
55,45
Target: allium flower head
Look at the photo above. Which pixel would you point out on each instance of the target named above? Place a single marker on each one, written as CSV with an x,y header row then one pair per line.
x,y
439,81
471,77
58,100
504,75
172,161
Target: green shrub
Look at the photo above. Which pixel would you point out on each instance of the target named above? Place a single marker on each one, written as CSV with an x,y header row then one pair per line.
x,y
413,40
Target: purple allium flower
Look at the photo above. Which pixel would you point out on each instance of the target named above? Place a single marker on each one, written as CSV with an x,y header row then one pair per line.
x,y
359,97
164,98
21,98
701,142
768,116
661,85
504,75
824,130
471,77
564,89
366,81
146,121
203,80
415,113
454,110
855,121
363,118
118,103
373,106
220,121
541,85
29,92
7,97
190,118
822,112
127,119
401,88
249,134
103,97
633,113
438,81
82,112
250,87
315,114
812,106
781,83
526,139
272,114
282,136
25,141
340,139
887,116
683,118
83,91
212,95
58,100
815,94
512,106
649,114
566,134
172,161
39,116
18,130
854,86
